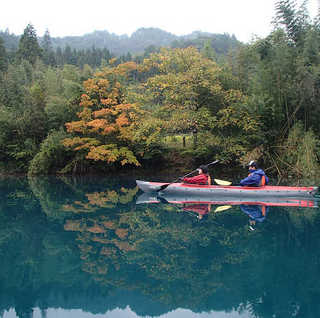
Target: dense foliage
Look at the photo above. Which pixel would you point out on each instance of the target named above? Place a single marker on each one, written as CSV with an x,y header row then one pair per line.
x,y
79,110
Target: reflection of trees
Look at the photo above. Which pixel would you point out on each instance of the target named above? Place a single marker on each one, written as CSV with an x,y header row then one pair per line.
x,y
202,266
60,196
119,254
97,200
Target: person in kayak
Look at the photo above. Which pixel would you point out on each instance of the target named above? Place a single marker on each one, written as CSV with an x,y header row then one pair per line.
x,y
256,213
202,178
200,210
256,177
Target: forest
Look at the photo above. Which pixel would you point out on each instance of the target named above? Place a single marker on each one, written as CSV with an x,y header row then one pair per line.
x,y
73,110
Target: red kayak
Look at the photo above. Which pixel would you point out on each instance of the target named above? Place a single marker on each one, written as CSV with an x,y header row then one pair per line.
x,y
211,191
177,199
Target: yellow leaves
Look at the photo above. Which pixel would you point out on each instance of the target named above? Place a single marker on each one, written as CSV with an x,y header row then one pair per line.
x,y
107,101
122,120
112,61
85,101
97,124
122,233
109,129
102,112
125,68
234,96
76,126
110,153
104,119
237,116
85,115
78,143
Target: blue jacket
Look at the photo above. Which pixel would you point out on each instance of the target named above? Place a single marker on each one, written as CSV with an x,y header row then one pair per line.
x,y
254,178
255,212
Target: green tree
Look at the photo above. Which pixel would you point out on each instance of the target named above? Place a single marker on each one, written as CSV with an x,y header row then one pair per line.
x,y
208,51
48,53
29,48
293,20
3,57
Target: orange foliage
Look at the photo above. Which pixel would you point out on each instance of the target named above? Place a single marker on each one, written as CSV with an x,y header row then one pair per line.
x,y
72,225
103,118
123,246
98,123
108,224
85,101
76,126
101,112
122,233
122,120
96,229
101,240
108,251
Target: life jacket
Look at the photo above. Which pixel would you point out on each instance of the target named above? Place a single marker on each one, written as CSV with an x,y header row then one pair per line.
x,y
262,180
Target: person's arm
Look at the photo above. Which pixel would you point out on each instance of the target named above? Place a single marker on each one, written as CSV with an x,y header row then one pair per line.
x,y
251,179
199,179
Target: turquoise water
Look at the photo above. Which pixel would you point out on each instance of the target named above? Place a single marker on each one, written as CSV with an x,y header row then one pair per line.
x,y
83,247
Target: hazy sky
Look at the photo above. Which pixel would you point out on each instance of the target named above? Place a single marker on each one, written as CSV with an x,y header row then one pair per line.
x,y
243,18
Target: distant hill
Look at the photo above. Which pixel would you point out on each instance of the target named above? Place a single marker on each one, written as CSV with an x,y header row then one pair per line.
x,y
136,43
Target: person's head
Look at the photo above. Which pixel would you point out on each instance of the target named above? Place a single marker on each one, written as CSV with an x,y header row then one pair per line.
x,y
203,169
252,224
252,165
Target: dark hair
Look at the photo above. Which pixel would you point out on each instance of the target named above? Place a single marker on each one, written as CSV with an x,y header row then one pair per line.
x,y
204,168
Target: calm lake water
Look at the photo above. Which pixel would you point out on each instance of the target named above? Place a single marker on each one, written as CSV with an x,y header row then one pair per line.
x,y
84,248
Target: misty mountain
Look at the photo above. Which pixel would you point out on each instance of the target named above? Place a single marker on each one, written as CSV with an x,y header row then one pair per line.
x,y
135,44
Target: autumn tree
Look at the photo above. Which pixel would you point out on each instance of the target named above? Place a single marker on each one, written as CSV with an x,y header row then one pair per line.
x,y
106,121
189,94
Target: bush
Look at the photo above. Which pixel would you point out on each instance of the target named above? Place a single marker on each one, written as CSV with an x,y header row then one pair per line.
x,y
52,154
300,154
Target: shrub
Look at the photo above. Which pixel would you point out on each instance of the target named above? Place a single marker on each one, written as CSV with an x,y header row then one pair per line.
x,y
52,154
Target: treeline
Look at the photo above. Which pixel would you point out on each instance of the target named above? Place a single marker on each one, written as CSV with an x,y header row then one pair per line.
x,y
259,101
45,51
139,41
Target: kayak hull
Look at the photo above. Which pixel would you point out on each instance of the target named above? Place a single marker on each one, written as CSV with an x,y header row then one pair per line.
x,y
149,198
205,191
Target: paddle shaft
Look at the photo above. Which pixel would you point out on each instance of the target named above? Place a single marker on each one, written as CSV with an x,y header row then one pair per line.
x,y
166,185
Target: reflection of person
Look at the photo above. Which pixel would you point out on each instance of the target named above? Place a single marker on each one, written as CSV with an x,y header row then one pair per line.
x,y
256,177
201,210
256,213
202,178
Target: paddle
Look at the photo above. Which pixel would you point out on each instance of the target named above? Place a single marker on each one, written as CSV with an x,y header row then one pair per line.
x,y
164,186
222,182
222,208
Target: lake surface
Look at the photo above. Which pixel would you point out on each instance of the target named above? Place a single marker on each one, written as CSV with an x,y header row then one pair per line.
x,y
83,247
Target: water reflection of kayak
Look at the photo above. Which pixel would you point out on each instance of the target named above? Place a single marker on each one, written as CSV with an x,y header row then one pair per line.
x,y
149,198
228,191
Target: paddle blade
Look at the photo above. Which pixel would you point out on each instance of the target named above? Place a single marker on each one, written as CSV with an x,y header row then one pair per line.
x,y
222,182
222,208
164,186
